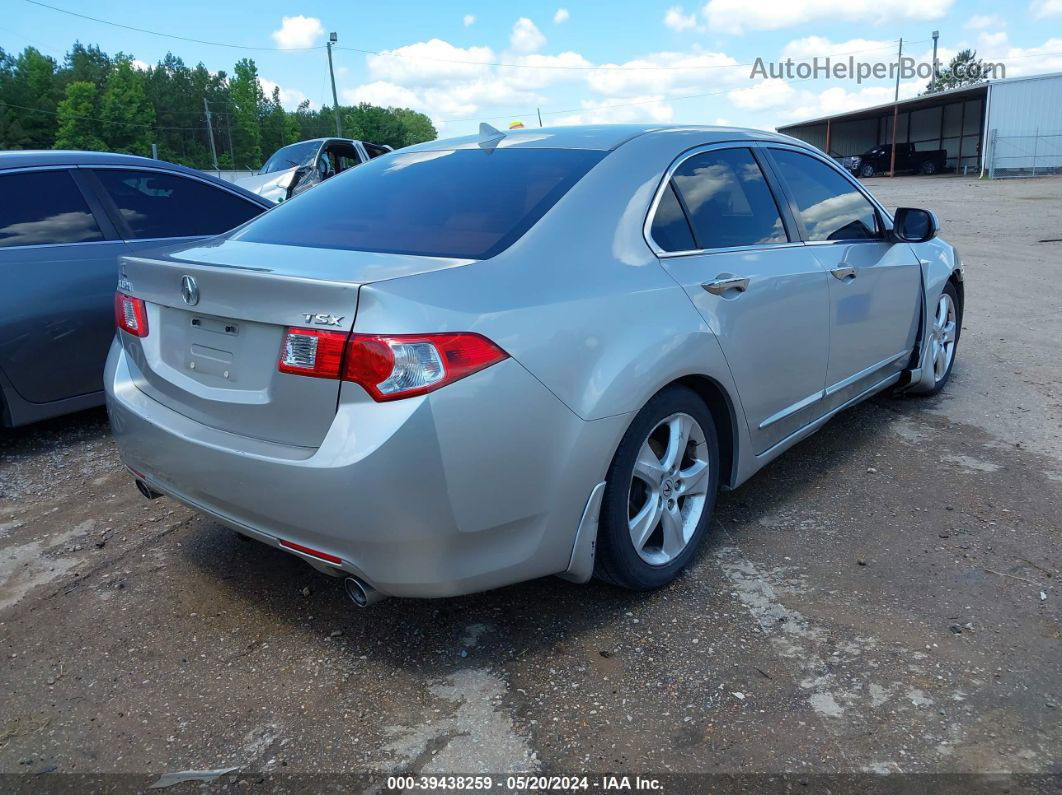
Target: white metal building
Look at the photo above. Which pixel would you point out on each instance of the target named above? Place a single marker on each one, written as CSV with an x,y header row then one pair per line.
x,y
1007,127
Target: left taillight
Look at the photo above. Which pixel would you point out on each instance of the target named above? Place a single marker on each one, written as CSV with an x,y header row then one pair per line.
x,y
130,315
388,367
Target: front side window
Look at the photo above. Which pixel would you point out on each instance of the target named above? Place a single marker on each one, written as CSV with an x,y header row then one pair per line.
x,y
42,207
463,203
155,204
728,200
829,205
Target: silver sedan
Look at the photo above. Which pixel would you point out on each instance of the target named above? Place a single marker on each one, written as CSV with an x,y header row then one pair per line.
x,y
478,361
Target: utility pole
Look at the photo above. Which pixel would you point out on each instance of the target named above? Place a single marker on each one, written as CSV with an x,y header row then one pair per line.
x,y
895,112
228,127
210,132
332,38
936,68
539,116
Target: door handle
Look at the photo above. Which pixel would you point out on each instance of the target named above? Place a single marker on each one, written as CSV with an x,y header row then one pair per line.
x,y
844,272
725,285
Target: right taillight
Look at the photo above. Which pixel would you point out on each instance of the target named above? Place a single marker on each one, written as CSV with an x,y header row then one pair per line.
x,y
130,315
388,367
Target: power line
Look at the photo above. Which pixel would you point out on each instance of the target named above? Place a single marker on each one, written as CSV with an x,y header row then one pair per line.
x,y
168,35
93,118
405,56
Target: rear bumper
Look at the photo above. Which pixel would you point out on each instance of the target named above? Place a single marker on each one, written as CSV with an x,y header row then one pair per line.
x,y
478,485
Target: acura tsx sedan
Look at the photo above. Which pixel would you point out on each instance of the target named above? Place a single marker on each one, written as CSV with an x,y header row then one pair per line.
x,y
483,360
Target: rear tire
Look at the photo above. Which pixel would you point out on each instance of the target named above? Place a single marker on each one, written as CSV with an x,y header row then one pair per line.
x,y
928,168
660,492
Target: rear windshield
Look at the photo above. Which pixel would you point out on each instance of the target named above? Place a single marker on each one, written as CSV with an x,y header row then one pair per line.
x,y
464,203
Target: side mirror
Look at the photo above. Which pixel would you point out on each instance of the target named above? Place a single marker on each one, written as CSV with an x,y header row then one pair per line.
x,y
912,225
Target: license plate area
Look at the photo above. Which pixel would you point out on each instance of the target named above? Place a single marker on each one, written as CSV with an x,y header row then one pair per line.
x,y
216,325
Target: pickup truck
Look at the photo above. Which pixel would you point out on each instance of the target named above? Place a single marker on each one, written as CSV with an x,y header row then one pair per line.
x,y
908,158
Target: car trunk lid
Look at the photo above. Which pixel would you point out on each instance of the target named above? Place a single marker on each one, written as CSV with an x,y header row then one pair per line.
x,y
216,323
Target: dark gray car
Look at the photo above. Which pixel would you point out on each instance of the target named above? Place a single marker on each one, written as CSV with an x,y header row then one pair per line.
x,y
65,218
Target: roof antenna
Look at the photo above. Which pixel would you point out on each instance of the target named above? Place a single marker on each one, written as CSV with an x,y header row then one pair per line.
x,y
489,137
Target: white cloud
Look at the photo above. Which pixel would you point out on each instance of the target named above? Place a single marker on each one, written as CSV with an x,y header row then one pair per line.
x,y
289,97
430,62
1045,8
537,71
561,16
996,48
982,21
139,65
763,94
870,50
634,109
686,74
381,93
297,32
469,20
526,37
740,16
677,19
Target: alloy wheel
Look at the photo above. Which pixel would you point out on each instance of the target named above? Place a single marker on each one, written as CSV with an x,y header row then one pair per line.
x,y
668,489
943,336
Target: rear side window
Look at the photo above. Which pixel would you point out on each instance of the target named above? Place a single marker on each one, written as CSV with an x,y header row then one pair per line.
x,y
156,204
829,205
670,229
728,200
464,203
44,207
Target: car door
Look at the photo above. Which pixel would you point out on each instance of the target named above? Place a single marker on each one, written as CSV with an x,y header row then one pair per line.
x,y
58,267
874,284
720,232
153,206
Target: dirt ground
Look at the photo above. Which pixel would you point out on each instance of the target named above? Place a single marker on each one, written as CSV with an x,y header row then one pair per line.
x,y
882,598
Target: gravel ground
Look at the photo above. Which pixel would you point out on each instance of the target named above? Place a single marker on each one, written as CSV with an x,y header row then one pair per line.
x,y
882,598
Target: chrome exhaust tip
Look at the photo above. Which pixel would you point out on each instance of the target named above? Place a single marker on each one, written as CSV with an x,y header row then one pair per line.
x,y
361,593
146,490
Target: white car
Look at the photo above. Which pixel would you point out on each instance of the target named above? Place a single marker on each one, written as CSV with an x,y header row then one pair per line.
x,y
296,167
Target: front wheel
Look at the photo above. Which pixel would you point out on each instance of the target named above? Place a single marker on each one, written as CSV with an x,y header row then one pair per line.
x,y
866,170
929,168
660,492
944,331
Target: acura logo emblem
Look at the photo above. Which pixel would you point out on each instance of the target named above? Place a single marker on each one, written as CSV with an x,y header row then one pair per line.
x,y
189,290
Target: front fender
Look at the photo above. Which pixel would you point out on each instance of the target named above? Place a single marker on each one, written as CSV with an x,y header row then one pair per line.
x,y
939,260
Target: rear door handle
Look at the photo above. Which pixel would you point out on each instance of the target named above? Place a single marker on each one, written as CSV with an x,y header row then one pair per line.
x,y
725,285
844,272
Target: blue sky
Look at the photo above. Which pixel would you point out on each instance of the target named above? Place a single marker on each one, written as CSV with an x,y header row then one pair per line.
x,y
463,62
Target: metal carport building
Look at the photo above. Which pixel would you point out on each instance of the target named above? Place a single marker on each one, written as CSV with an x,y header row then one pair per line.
x,y
1002,127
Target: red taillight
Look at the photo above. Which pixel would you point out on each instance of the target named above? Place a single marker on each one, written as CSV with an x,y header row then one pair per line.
x,y
130,315
314,353
388,367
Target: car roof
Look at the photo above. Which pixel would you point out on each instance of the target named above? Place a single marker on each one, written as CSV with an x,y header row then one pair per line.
x,y
35,158
605,137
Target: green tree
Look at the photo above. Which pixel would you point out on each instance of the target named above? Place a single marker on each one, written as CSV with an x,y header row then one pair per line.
x,y
279,128
418,127
247,102
86,64
396,127
128,118
965,69
77,126
33,93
